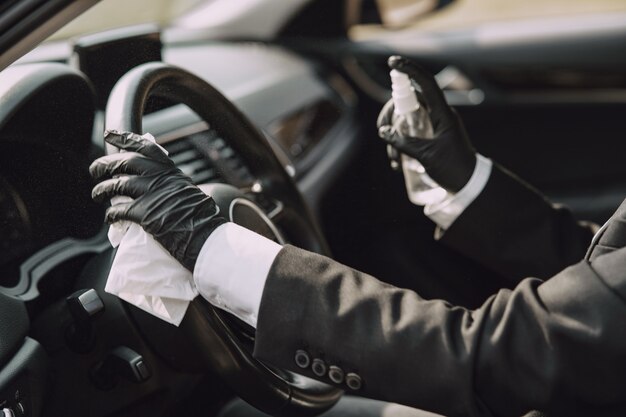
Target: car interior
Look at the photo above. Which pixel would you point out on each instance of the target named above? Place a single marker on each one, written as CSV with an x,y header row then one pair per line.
x,y
274,103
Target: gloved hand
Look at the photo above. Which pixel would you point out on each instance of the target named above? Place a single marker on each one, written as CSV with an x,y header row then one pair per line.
x,y
611,236
449,158
166,203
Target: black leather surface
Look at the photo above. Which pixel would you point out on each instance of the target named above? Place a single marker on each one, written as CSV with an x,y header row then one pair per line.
x,y
13,326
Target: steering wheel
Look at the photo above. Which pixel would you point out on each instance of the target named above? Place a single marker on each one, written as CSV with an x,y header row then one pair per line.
x,y
222,343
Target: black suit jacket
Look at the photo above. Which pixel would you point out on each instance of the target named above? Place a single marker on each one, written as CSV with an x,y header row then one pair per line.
x,y
558,346
513,229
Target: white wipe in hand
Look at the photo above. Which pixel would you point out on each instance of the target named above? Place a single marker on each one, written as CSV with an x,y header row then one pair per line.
x,y
145,274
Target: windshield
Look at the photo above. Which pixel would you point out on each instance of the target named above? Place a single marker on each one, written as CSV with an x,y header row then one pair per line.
x,y
110,14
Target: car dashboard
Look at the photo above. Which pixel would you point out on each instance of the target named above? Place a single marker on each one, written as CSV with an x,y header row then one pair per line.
x,y
306,114
51,229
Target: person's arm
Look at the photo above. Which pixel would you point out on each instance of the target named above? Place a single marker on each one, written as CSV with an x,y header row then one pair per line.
x,y
513,229
556,346
386,342
489,215
232,268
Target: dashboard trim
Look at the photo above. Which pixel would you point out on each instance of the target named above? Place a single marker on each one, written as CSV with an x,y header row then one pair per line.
x,y
37,266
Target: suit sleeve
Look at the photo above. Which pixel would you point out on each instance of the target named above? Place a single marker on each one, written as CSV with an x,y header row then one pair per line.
x,y
512,229
557,346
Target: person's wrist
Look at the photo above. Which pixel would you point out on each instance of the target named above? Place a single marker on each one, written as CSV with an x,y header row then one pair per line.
x,y
454,172
197,240
469,165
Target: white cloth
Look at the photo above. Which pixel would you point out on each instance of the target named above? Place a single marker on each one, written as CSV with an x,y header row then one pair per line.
x,y
144,274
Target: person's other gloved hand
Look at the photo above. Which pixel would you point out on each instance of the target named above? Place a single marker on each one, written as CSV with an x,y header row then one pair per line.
x,y
166,203
449,158
611,236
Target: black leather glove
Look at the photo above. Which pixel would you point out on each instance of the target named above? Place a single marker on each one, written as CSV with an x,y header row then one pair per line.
x,y
611,236
449,158
166,203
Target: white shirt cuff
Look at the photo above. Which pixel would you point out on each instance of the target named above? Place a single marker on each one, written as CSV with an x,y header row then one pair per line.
x,y
445,212
232,268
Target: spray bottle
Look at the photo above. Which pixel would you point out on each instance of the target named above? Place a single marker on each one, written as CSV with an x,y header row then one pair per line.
x,y
411,119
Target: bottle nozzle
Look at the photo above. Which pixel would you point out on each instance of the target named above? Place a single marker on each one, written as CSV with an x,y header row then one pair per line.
x,y
403,95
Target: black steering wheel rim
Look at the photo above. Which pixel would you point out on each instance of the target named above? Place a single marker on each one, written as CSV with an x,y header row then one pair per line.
x,y
218,342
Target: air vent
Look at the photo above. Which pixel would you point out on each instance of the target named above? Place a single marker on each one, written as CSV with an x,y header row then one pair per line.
x,y
191,162
231,162
206,157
